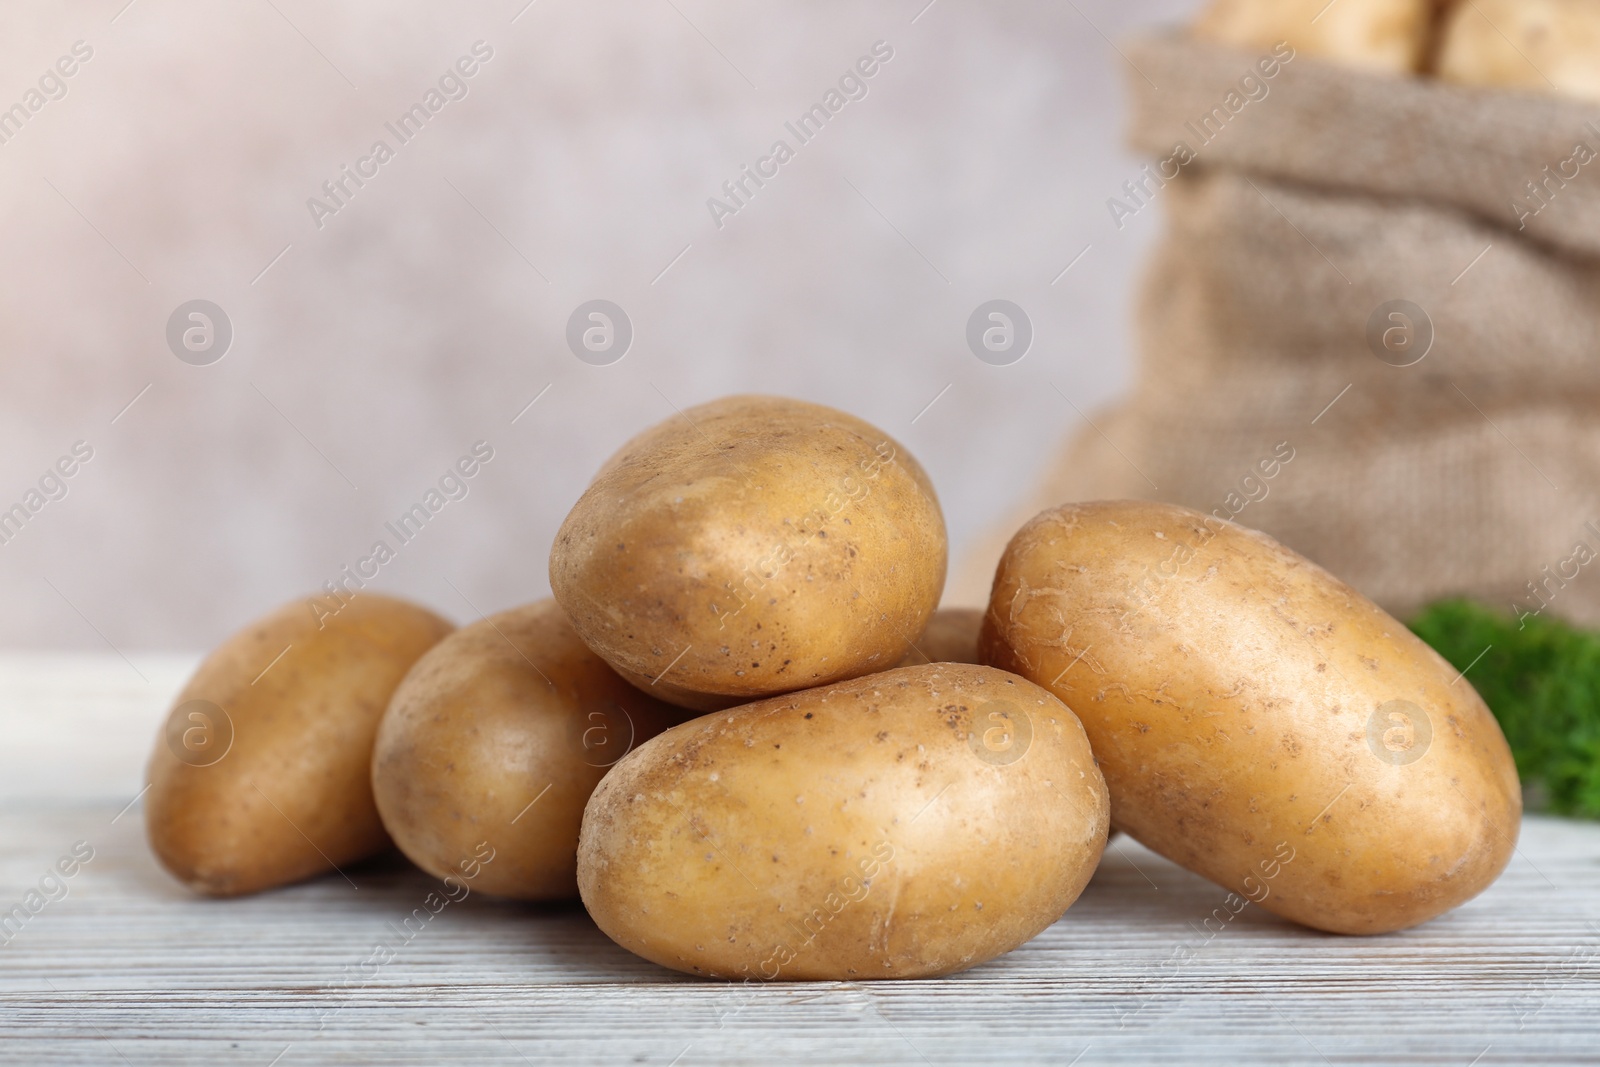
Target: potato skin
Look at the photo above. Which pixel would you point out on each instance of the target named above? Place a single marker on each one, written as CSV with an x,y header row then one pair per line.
x,y
1378,35
1238,700
951,637
291,798
1542,46
754,546
498,735
884,827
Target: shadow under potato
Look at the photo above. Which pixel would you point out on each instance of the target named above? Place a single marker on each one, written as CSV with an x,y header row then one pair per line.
x,y
512,940
1159,905
1135,888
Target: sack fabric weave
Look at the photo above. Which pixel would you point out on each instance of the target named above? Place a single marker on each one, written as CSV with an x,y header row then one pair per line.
x,y
1471,472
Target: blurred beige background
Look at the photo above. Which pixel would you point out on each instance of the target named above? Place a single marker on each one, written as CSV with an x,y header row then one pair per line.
x,y
370,353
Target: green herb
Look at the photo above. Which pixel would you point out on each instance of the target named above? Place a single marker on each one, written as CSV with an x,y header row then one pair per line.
x,y
1541,678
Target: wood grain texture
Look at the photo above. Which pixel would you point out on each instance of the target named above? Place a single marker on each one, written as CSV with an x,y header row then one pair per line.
x,y
129,967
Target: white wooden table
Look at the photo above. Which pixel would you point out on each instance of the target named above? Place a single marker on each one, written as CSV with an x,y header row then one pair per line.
x,y
129,968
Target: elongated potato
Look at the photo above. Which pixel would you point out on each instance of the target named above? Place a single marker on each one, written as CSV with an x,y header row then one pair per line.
x,y
1377,35
753,546
951,637
907,824
262,774
1257,720
499,734
1543,46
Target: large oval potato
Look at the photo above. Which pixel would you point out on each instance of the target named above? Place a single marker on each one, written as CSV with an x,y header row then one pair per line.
x,y
1258,721
262,774
753,546
498,735
904,825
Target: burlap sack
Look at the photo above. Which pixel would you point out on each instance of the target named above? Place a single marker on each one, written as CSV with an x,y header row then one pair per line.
x,y
1471,472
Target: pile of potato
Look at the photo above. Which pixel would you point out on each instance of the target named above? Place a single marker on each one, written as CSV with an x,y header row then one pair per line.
x,y
743,735
1547,46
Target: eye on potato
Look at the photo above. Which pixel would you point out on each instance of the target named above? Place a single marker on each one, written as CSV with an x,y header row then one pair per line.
x,y
499,734
903,825
752,546
261,775
1258,721
951,637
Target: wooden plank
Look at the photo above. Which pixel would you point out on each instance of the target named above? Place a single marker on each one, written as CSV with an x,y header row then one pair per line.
x,y
129,967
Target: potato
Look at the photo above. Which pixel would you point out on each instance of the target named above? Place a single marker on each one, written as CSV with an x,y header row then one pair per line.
x,y
1377,35
951,637
498,735
904,825
1546,46
1257,720
261,775
752,546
